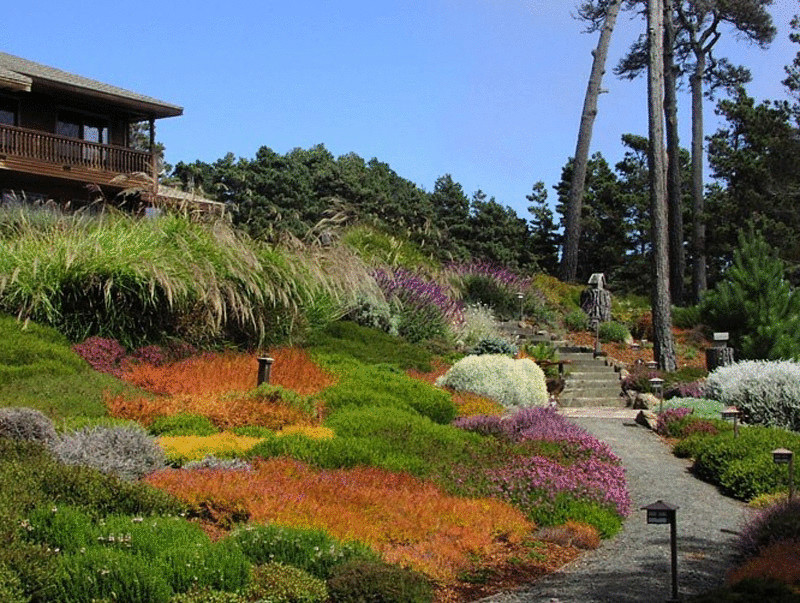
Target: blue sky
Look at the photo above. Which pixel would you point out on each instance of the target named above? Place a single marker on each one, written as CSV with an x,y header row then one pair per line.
x,y
489,91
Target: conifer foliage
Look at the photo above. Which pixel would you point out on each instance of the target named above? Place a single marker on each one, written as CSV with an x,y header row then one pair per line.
x,y
756,304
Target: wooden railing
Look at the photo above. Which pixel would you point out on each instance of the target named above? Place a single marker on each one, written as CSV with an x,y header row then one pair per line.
x,y
51,148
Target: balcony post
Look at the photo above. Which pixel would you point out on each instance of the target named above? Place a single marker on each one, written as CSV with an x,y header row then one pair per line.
x,y
153,158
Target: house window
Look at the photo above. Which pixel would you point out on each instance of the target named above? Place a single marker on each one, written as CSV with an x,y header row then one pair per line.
x,y
83,127
8,112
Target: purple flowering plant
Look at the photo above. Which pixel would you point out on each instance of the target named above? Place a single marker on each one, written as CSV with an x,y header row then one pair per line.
x,y
583,468
412,289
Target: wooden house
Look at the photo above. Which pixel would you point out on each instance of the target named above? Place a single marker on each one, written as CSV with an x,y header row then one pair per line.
x,y
69,138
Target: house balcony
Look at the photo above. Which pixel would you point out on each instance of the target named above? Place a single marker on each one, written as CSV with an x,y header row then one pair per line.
x,y
49,155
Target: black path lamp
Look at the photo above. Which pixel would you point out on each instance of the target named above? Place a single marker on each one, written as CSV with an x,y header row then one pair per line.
x,y
782,456
520,297
658,387
731,412
264,369
663,513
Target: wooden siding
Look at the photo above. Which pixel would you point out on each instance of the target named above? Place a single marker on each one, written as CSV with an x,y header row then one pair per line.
x,y
45,154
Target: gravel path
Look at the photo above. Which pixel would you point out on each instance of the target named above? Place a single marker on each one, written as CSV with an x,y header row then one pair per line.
x,y
635,566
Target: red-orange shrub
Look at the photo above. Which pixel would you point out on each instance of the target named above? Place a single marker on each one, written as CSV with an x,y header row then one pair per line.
x,y
409,521
225,411
779,561
214,373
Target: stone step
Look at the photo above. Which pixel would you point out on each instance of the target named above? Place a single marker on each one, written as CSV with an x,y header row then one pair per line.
x,y
575,401
580,382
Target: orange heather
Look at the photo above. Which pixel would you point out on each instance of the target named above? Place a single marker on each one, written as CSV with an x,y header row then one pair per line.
x,y
407,520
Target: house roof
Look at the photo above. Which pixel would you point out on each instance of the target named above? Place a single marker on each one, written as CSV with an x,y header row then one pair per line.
x,y
17,73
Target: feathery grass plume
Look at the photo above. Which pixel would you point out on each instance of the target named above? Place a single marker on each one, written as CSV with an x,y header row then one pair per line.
x,y
137,280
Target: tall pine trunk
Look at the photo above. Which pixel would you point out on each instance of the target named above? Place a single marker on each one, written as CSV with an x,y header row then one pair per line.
x,y
677,257
572,226
663,344
698,202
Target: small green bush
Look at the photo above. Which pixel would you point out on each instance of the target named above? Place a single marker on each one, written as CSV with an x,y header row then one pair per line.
x,y
494,345
614,331
333,453
370,346
11,589
370,385
576,320
278,583
483,289
360,581
767,393
512,383
129,452
311,550
566,507
102,573
743,466
26,424
207,595
417,323
183,424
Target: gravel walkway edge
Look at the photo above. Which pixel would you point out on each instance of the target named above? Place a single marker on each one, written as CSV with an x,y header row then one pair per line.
x,y
635,566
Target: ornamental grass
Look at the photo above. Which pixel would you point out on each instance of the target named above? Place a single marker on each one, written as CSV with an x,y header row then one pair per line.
x,y
410,522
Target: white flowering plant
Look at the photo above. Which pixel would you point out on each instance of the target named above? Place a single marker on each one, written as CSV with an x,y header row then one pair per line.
x,y
512,383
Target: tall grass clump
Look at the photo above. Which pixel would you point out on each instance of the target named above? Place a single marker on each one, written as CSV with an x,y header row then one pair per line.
x,y
137,280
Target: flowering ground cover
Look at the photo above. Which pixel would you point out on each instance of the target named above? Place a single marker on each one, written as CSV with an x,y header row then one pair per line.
x,y
408,520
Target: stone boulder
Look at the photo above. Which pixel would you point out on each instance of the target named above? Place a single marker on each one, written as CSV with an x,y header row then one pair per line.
x,y
647,418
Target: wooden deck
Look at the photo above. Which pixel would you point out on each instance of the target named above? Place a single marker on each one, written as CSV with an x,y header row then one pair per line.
x,y
43,154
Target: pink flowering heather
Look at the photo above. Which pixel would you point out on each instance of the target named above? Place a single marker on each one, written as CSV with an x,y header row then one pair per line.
x,y
104,355
524,480
529,480
670,415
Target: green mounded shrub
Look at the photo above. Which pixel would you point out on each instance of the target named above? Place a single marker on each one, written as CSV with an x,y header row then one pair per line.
x,y
129,452
743,466
332,453
576,320
106,574
183,424
207,595
483,289
402,441
420,323
369,346
360,581
278,583
494,345
26,424
370,385
767,393
512,383
687,317
220,566
11,589
614,331
311,550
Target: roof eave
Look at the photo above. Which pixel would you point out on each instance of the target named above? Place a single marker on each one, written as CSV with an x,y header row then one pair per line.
x,y
143,108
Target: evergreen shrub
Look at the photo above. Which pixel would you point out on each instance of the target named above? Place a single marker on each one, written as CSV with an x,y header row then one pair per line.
x,y
360,581
26,424
576,320
614,331
513,383
755,303
183,424
311,550
767,393
129,452
278,583
494,345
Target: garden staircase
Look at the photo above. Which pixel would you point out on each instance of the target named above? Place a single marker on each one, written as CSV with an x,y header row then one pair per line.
x,y
589,381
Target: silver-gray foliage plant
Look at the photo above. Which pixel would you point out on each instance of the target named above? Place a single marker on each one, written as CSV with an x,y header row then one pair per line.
x,y
129,452
512,383
22,423
767,392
